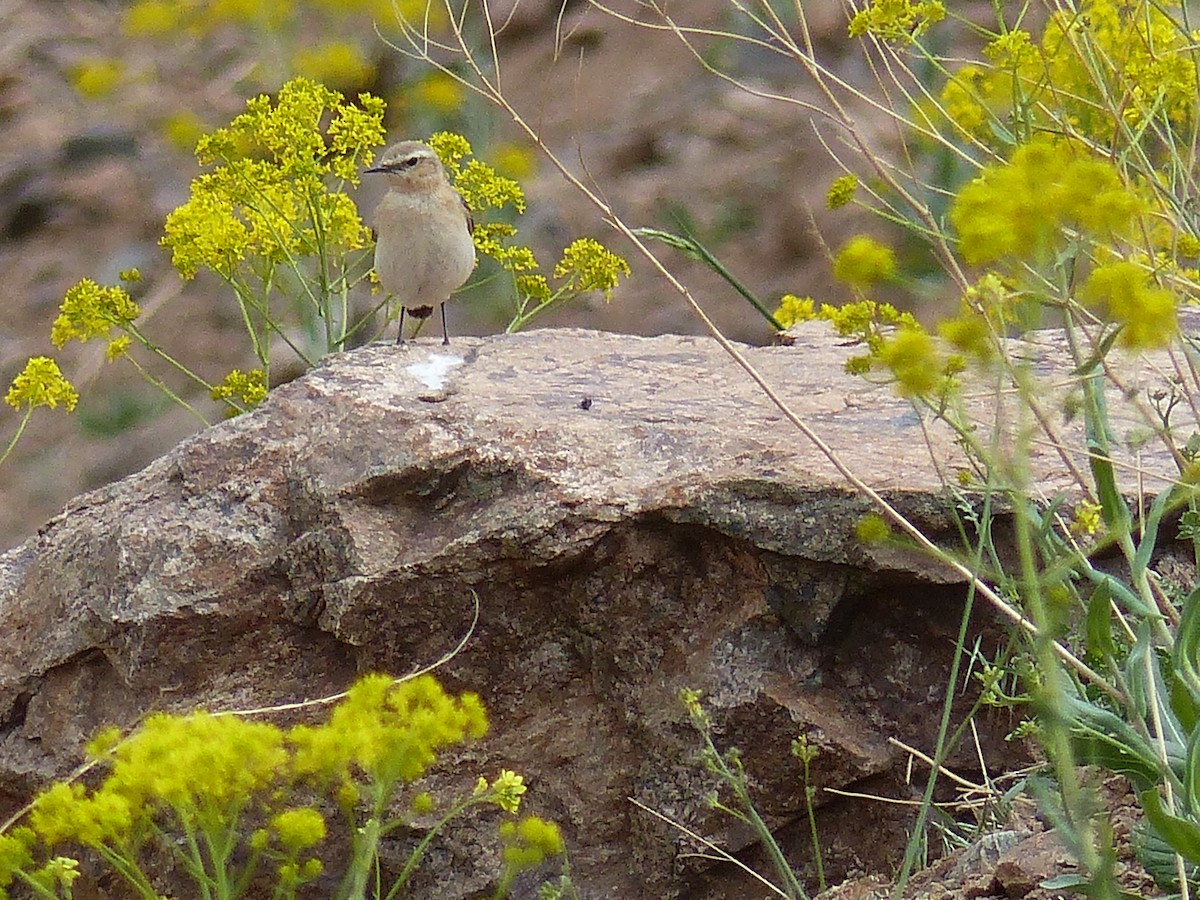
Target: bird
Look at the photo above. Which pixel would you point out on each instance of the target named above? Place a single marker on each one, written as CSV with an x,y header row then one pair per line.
x,y
423,247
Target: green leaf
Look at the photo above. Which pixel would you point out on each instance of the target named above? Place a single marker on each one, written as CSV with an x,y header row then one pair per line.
x,y
1183,835
1099,622
1078,884
1186,652
1189,525
1103,738
1147,544
1148,692
1191,774
1157,857
1068,881
1119,591
1112,505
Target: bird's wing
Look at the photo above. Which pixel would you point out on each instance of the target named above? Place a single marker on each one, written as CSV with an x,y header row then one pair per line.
x,y
470,216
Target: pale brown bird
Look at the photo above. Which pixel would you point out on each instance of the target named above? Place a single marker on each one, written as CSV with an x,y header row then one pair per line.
x,y
423,246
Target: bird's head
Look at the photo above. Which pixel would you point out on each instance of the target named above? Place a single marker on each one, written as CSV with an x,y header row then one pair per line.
x,y
409,165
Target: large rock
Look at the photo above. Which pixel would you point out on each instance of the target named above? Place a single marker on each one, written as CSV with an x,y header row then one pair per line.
x,y
634,518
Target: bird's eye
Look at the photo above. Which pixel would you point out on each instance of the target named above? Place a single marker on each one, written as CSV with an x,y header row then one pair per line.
x,y
410,162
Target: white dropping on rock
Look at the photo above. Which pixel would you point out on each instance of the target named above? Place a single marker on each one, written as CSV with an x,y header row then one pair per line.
x,y
432,372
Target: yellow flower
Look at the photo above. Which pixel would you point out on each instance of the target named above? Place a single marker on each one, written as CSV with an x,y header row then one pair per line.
x,y
1022,208
182,129
793,309
590,266
872,529
267,14
41,383
535,287
248,388
969,332
514,161
388,730
1146,312
1013,49
439,93
896,20
152,18
690,699
967,99
117,347
841,191
385,12
1087,518
508,788
267,197
528,842
1189,245
97,78
299,829
863,261
913,361
338,63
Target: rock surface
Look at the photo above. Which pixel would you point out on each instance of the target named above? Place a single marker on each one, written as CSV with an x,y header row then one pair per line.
x,y
634,518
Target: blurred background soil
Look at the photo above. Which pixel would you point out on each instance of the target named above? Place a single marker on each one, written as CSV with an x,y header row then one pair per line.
x,y
86,182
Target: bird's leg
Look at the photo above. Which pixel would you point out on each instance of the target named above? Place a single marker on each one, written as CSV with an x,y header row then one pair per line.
x,y
445,333
400,332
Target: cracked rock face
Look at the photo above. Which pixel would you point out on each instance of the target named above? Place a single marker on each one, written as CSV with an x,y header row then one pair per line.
x,y
633,518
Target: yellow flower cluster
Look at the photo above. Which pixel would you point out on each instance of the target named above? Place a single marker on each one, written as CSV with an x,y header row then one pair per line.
x,y
841,191
479,183
41,383
506,791
793,309
589,266
1105,59
863,261
247,389
89,311
528,842
386,730
1027,208
896,20
335,62
1052,197
206,776
912,358
97,78
892,339
159,18
586,264
1126,293
269,196
872,529
438,93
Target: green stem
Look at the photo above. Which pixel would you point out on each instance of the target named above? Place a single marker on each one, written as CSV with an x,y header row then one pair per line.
x,y
749,815
162,386
415,857
942,748
688,244
20,430
126,866
522,318
34,886
1051,701
809,795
